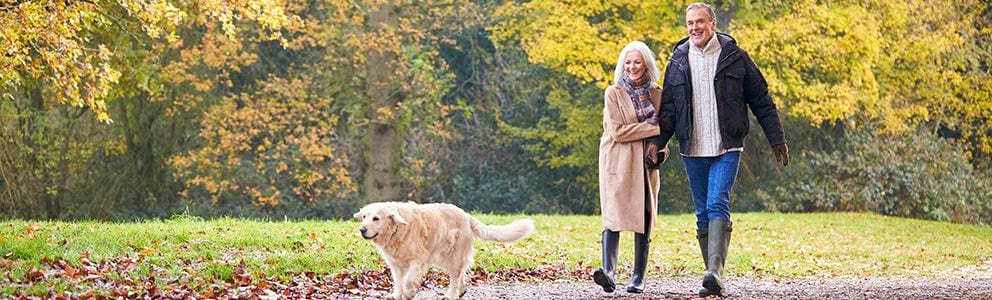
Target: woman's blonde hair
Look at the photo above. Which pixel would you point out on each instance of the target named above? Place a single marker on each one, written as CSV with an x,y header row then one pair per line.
x,y
652,71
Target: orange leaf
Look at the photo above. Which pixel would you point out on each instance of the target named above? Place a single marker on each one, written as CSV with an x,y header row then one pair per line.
x,y
30,229
70,271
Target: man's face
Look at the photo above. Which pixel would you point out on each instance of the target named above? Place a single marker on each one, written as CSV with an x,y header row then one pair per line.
x,y
701,26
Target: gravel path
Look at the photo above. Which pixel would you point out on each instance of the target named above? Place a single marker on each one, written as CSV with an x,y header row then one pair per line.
x,y
967,282
738,288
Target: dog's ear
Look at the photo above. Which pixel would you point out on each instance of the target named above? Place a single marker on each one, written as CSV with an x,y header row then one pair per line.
x,y
359,215
395,214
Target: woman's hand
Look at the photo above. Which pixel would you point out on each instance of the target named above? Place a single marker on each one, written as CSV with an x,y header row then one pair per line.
x,y
651,156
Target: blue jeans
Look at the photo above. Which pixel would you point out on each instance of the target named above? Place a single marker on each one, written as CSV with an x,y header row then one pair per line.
x,y
711,179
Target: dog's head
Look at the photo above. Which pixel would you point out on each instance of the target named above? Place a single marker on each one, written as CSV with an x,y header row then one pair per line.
x,y
379,219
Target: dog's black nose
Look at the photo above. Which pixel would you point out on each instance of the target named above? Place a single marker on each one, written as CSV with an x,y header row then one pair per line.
x,y
363,230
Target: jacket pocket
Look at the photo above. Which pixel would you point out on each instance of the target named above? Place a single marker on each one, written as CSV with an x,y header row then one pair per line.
x,y
734,108
733,84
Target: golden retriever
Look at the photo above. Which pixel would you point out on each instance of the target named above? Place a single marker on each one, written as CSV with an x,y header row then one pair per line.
x,y
411,237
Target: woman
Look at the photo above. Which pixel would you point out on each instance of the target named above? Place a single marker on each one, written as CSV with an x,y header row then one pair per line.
x,y
628,179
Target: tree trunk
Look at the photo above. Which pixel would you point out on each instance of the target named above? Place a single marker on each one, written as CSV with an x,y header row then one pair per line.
x,y
383,140
724,14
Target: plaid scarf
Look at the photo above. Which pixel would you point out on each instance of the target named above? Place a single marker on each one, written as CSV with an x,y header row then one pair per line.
x,y
640,94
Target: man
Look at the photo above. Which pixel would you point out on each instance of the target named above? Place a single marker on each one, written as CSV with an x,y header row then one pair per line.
x,y
710,83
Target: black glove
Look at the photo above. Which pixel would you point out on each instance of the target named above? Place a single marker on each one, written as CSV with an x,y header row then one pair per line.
x,y
781,153
651,155
651,161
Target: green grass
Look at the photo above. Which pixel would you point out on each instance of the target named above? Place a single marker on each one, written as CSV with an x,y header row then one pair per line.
x,y
763,245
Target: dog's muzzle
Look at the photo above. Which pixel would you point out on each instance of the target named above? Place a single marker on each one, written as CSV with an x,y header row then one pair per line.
x,y
365,232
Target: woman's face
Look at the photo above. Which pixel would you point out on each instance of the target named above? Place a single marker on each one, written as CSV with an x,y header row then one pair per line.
x,y
633,65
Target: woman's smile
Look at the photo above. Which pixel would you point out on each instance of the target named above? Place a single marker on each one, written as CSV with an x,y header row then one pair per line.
x,y
634,65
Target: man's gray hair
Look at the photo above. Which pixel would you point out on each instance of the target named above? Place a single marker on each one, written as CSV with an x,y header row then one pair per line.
x,y
709,9
652,68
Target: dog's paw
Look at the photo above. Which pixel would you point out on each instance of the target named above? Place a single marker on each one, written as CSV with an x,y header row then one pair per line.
x,y
453,296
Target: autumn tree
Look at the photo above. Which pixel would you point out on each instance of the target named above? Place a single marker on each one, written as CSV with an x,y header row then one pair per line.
x,y
853,63
368,70
898,64
579,42
405,80
66,64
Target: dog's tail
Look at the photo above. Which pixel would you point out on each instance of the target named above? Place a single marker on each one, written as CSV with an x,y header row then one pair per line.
x,y
503,233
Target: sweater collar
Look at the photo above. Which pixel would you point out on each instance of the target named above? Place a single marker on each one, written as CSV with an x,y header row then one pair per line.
x,y
711,47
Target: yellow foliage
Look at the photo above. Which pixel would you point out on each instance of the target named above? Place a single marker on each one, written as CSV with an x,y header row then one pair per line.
x,y
52,41
886,62
897,64
289,155
575,37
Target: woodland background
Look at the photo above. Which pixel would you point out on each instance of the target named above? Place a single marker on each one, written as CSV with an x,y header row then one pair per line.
x,y
134,109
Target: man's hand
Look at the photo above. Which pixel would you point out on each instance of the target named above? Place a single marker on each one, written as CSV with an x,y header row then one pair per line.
x,y
781,153
666,124
651,156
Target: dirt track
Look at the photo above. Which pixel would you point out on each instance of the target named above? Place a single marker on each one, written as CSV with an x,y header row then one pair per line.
x,y
738,288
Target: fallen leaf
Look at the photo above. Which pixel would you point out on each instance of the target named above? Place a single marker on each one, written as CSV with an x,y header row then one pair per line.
x,y
70,271
30,229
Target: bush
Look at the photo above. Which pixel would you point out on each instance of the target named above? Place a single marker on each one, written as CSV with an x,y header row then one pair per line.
x,y
915,175
505,181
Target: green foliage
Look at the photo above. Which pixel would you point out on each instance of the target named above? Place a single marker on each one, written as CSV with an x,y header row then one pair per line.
x,y
496,185
489,167
263,109
908,175
41,155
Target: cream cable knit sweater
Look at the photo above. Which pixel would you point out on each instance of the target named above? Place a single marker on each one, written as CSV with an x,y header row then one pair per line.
x,y
706,140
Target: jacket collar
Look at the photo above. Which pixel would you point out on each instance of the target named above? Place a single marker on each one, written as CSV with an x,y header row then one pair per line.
x,y
728,55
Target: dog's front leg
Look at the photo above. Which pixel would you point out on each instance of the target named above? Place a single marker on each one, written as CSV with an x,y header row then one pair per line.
x,y
412,278
399,284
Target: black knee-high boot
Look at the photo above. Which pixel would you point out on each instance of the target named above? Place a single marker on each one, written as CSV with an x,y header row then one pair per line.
x,y
642,243
604,276
719,240
641,246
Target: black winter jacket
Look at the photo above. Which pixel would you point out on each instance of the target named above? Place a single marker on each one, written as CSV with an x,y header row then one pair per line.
x,y
738,86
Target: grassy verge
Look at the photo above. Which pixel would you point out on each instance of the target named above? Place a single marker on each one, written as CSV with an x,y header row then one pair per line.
x,y
193,252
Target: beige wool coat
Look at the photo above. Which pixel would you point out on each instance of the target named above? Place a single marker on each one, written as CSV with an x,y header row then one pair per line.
x,y
621,164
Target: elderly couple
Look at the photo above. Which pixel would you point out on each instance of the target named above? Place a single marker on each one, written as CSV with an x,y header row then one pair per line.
x,y
709,86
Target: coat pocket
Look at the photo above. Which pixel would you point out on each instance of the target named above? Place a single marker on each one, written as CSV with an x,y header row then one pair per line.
x,y
612,159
